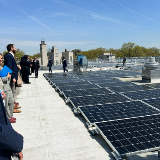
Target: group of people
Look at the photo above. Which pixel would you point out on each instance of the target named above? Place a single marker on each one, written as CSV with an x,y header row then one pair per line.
x,y
28,67
11,142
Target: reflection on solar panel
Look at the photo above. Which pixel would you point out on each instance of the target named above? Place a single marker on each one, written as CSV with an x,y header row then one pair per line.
x,y
86,92
71,83
104,81
97,99
132,135
154,102
130,88
71,88
154,85
114,111
112,84
141,95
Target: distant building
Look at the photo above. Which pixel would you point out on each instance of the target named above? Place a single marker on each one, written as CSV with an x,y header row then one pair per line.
x,y
56,56
43,52
108,56
68,56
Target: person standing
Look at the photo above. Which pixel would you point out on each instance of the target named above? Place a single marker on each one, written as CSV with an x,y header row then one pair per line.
x,y
9,100
64,65
50,65
32,66
10,62
28,59
124,61
36,66
25,65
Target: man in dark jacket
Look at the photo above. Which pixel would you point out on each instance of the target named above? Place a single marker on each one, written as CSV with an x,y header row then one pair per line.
x,y
50,65
25,69
10,62
64,65
10,140
36,66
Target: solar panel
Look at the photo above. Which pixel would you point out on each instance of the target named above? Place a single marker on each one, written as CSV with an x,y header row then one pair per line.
x,y
114,111
142,95
154,102
129,88
85,92
97,99
154,85
131,136
104,81
73,83
71,88
112,84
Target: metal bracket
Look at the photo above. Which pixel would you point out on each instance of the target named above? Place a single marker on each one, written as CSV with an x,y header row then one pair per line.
x,y
116,157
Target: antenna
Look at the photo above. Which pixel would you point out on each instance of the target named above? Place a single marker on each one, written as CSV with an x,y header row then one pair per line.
x,y
41,34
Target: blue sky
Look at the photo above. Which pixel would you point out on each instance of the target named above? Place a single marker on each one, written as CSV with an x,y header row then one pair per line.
x,y
79,24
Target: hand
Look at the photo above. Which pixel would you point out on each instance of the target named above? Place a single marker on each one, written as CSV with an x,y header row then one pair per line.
x,y
38,68
19,66
9,75
20,155
14,81
3,95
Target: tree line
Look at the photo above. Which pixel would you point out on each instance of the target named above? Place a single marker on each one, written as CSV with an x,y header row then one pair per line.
x,y
128,49
20,53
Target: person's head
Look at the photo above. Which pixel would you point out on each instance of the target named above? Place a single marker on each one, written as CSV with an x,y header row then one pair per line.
x,y
25,57
63,57
35,58
1,58
11,48
48,58
28,57
31,59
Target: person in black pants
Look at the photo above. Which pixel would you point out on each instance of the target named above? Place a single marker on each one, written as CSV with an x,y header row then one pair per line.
x,y
32,66
50,65
25,69
64,65
36,66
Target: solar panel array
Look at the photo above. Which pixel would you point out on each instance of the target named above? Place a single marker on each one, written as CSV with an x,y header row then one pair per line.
x,y
132,135
126,114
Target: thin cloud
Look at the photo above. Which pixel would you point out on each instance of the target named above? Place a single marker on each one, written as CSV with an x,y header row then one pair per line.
x,y
3,1
132,10
113,20
73,7
90,13
39,22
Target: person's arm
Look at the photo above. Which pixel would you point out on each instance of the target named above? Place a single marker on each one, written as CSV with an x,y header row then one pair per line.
x,y
38,65
10,139
3,95
5,79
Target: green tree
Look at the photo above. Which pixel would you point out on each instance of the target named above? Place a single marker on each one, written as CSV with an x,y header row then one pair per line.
x,y
76,51
127,49
19,53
